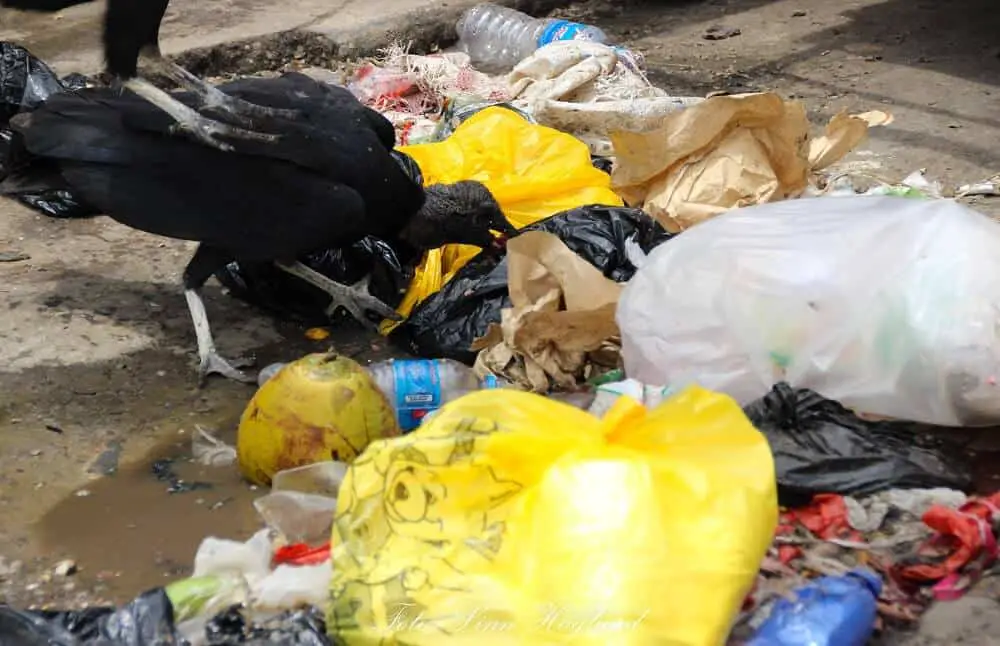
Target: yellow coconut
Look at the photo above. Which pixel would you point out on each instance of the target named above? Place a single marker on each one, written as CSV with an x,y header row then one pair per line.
x,y
321,407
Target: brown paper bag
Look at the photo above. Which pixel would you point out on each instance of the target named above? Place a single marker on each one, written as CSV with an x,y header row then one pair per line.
x,y
563,309
728,152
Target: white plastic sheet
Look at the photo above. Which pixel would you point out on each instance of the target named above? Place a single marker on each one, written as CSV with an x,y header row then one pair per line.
x,y
889,305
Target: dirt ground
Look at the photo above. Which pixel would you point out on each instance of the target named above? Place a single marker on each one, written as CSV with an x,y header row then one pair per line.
x,y
97,365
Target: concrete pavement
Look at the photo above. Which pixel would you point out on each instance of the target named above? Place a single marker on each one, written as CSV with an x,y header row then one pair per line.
x,y
70,40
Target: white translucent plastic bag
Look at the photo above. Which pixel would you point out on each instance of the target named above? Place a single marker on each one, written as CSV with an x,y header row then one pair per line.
x,y
889,305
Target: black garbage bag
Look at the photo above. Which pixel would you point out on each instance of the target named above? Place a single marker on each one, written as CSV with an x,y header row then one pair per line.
x,y
25,83
148,620
821,447
285,296
304,627
446,324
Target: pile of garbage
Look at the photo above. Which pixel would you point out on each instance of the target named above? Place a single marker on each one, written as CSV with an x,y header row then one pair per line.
x,y
712,370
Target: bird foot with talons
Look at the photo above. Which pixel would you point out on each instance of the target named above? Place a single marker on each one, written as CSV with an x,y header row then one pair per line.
x,y
233,105
212,363
358,302
206,130
213,97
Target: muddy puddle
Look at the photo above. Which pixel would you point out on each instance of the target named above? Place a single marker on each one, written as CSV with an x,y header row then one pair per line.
x,y
140,527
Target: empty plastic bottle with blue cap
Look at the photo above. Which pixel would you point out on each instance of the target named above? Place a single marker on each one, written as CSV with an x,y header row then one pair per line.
x,y
498,38
829,611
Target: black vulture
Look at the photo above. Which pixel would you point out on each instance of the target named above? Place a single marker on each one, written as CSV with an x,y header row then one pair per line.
x,y
131,37
330,179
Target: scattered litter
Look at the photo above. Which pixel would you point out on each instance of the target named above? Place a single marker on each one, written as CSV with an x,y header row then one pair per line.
x,y
589,90
532,171
842,328
854,181
821,447
728,152
323,478
870,514
447,323
608,393
463,510
210,450
497,38
25,83
989,188
321,407
297,517
830,611
409,89
562,319
416,388
458,111
145,621
963,547
881,303
157,617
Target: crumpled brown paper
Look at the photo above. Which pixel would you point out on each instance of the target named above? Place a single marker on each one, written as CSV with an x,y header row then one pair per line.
x,y
728,152
563,316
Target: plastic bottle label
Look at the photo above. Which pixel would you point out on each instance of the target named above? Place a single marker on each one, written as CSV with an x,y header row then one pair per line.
x,y
418,391
563,30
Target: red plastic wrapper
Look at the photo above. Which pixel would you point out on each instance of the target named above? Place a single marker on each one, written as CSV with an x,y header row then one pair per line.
x,y
301,554
965,543
375,86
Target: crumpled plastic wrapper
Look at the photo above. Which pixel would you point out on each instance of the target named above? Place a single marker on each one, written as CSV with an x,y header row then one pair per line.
x,y
728,152
589,90
562,319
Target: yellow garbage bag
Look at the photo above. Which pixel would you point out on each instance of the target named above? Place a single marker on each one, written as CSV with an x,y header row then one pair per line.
x,y
510,519
533,172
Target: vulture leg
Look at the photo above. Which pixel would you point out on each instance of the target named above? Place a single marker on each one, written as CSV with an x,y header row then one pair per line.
x,y
354,298
209,360
201,266
211,96
190,121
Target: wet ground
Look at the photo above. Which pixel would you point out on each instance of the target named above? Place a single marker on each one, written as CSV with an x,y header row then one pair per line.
x,y
97,364
145,518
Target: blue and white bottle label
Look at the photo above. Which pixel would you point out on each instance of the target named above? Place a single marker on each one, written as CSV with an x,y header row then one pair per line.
x,y
418,391
564,30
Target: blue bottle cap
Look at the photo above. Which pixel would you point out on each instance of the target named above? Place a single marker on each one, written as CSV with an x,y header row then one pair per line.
x,y
871,579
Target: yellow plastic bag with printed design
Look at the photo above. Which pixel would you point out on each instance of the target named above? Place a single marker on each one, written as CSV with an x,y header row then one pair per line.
x,y
508,519
533,172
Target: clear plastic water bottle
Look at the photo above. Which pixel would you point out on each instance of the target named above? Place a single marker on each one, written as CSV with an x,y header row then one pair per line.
x,y
830,611
498,38
418,387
